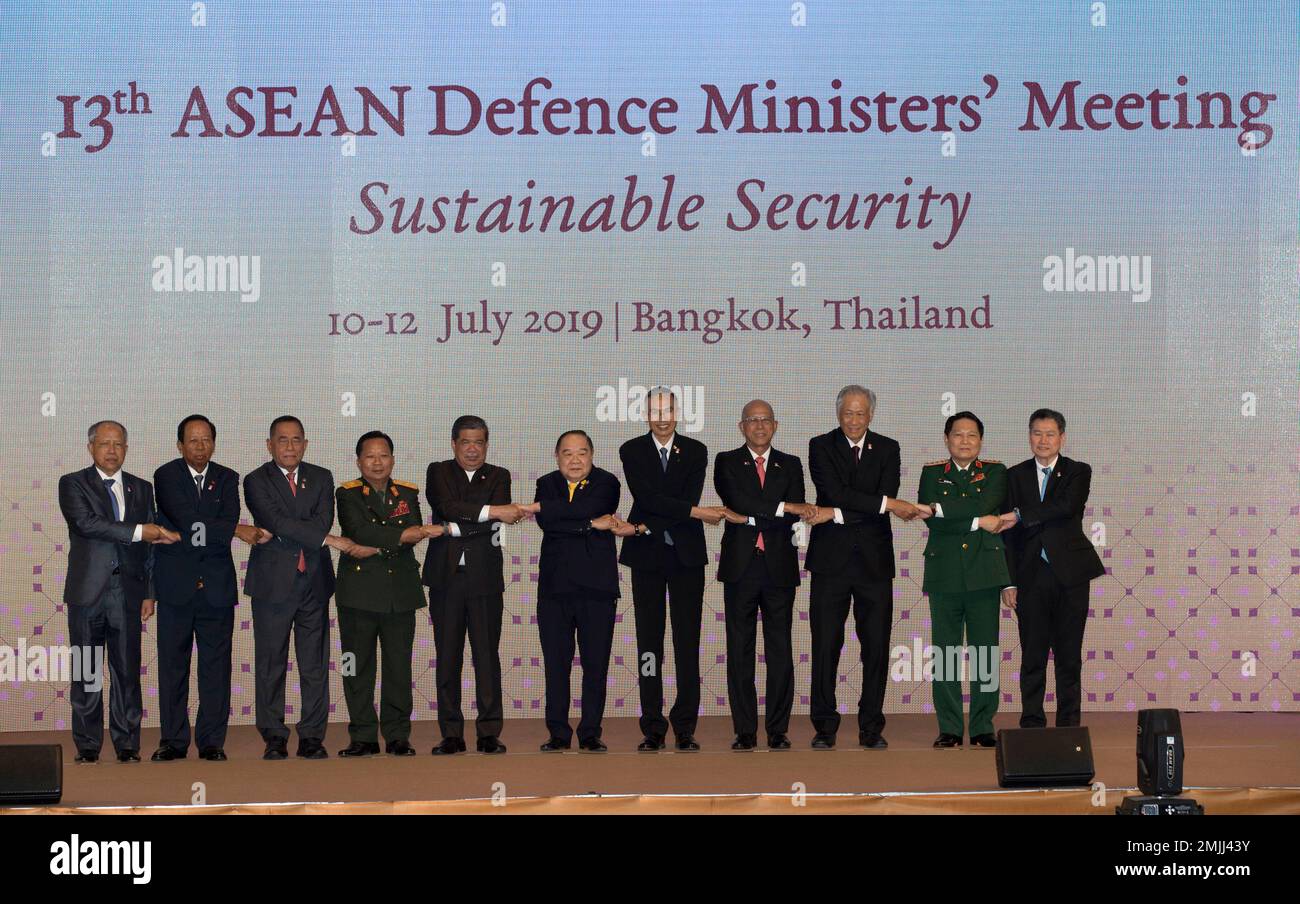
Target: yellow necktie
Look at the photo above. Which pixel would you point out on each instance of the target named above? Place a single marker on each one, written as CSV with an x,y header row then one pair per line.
x,y
572,487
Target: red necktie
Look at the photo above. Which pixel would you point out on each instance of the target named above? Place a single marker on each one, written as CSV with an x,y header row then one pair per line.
x,y
293,486
762,479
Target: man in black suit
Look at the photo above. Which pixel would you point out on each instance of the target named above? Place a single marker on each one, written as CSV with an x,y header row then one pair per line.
x,y
109,590
291,579
576,507
462,570
665,473
197,590
1051,561
763,494
851,555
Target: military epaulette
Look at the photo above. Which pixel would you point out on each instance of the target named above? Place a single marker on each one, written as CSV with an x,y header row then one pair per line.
x,y
990,461
408,485
351,484
931,464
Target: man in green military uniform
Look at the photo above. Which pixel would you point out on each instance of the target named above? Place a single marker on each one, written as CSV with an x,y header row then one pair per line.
x,y
965,571
377,592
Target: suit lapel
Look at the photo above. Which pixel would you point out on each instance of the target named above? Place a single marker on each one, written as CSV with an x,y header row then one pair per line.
x,y
99,493
281,483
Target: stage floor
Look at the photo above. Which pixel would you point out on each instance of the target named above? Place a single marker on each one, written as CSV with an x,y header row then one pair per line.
x,y
1235,762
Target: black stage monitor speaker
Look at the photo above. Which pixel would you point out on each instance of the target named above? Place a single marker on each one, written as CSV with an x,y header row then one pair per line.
x,y
1044,756
1160,752
30,774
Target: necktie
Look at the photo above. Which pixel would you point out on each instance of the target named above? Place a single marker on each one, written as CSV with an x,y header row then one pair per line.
x,y
762,479
857,455
663,460
293,486
1042,493
572,487
198,484
117,514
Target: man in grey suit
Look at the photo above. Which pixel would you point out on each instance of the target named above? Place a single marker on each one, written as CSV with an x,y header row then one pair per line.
x,y
291,580
109,588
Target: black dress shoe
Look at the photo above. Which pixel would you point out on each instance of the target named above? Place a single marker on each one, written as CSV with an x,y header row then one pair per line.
x,y
490,745
778,742
823,742
166,753
687,743
87,756
744,742
355,749
128,756
448,746
947,740
275,750
870,740
554,745
650,743
592,745
400,747
983,740
312,749
213,754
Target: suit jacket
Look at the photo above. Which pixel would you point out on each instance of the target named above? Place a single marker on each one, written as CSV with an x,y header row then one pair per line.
x,y
456,500
576,558
958,559
857,491
1054,523
662,500
735,476
179,568
299,522
96,539
389,581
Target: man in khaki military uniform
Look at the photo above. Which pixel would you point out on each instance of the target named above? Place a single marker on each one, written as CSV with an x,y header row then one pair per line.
x,y
965,571
377,593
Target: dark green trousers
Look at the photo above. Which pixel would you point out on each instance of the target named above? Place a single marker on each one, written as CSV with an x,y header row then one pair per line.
x,y
974,613
395,632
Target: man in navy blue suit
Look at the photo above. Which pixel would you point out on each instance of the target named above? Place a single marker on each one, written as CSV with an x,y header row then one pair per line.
x,y
197,590
109,588
291,580
576,507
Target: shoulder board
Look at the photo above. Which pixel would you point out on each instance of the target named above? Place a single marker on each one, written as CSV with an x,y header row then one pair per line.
x,y
407,484
990,461
351,484
933,464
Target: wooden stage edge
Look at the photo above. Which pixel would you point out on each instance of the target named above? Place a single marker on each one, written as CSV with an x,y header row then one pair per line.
x,y
1236,763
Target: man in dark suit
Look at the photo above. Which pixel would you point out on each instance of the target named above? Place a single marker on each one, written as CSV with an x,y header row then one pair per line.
x,y
290,580
577,588
1051,561
851,556
665,473
763,494
109,590
463,571
197,590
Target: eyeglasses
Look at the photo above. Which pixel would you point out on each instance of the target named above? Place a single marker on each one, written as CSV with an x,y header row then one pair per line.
x,y
756,421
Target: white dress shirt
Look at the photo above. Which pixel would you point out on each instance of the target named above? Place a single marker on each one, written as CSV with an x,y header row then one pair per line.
x,y
454,529
119,493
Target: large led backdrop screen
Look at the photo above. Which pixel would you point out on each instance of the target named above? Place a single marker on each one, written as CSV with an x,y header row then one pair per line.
x,y
384,216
